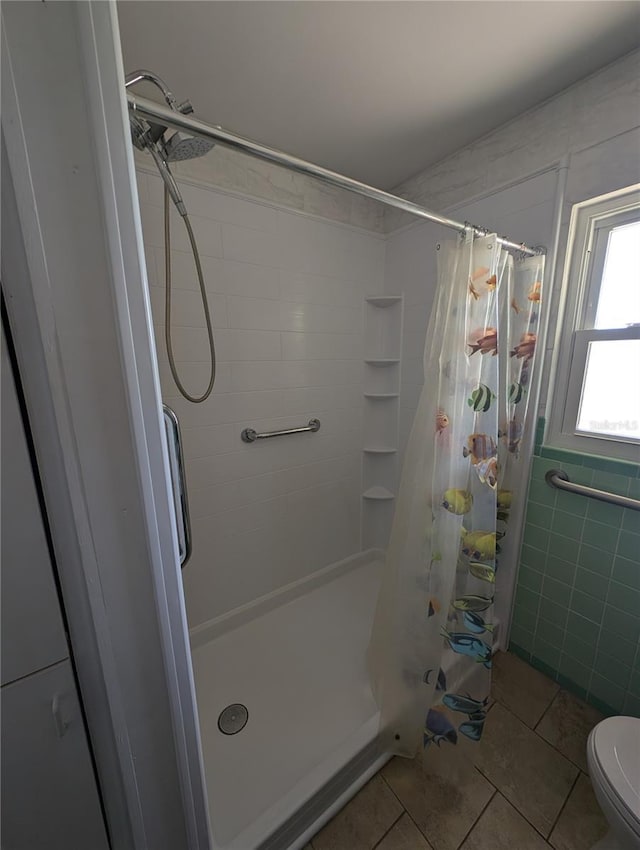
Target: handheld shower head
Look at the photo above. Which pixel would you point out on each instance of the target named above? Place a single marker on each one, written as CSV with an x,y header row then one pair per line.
x,y
179,146
169,179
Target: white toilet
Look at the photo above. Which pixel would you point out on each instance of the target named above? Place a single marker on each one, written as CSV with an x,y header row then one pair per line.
x,y
613,753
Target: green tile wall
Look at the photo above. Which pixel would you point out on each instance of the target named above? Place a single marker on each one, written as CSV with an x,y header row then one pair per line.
x,y
577,606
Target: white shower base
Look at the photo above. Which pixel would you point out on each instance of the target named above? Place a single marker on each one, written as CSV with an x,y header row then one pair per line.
x,y
296,660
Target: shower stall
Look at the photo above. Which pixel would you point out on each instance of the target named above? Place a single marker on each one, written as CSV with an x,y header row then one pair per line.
x,y
283,577
291,466
299,327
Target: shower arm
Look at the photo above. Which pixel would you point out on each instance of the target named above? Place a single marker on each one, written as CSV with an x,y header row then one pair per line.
x,y
142,75
148,109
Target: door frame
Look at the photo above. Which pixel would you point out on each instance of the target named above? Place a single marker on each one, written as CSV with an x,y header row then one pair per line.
x,y
116,551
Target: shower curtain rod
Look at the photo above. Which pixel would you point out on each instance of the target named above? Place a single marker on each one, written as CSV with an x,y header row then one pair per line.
x,y
155,112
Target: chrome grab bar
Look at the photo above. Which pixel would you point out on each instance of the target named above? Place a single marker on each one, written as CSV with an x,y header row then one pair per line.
x,y
559,479
178,483
250,436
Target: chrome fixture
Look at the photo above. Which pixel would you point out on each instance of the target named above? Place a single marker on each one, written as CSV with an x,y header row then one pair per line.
x,y
250,436
151,136
140,76
178,483
180,147
145,109
559,479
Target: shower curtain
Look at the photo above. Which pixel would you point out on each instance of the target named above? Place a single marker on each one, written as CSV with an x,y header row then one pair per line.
x,y
430,651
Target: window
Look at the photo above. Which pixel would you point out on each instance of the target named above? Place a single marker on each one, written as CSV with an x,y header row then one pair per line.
x,y
596,405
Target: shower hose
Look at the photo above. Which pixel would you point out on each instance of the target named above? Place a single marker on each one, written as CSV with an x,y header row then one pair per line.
x,y
167,311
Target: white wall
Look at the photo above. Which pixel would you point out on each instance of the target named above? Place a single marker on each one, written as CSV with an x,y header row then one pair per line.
x,y
602,106
286,294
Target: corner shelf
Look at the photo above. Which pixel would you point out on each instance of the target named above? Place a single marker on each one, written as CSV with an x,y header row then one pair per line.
x,y
378,494
381,392
383,300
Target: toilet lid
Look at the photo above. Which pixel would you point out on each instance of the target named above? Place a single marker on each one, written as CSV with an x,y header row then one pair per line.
x,y
616,743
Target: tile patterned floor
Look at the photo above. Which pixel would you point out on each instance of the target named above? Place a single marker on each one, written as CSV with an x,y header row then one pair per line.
x,y
528,789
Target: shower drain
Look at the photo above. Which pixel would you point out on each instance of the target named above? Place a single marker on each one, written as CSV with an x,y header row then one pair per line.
x,y
233,719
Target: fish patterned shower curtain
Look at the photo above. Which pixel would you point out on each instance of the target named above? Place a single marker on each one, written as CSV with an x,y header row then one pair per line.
x,y
430,651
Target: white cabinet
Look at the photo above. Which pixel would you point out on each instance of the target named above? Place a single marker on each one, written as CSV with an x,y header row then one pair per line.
x,y
49,794
31,631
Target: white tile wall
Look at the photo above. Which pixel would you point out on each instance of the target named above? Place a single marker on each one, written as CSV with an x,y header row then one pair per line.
x,y
227,169
286,294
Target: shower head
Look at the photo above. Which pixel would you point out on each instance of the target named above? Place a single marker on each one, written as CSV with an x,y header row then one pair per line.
x,y
152,137
180,146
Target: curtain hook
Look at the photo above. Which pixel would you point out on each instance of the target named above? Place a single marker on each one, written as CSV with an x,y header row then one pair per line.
x,y
469,231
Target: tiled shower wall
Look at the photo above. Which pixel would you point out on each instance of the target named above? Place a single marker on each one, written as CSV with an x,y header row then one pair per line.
x,y
577,607
236,172
286,294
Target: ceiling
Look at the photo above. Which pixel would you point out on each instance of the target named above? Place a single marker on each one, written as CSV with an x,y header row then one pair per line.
x,y
375,90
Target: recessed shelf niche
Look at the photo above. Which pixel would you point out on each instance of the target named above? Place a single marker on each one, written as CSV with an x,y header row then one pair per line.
x,y
383,348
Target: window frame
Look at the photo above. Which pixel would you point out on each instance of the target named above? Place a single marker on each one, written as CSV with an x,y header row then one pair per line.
x,y
589,229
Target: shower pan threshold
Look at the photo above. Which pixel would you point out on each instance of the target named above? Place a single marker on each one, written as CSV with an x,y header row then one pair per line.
x,y
296,661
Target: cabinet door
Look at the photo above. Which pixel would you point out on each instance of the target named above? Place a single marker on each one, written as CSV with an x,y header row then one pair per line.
x,y
32,635
49,792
